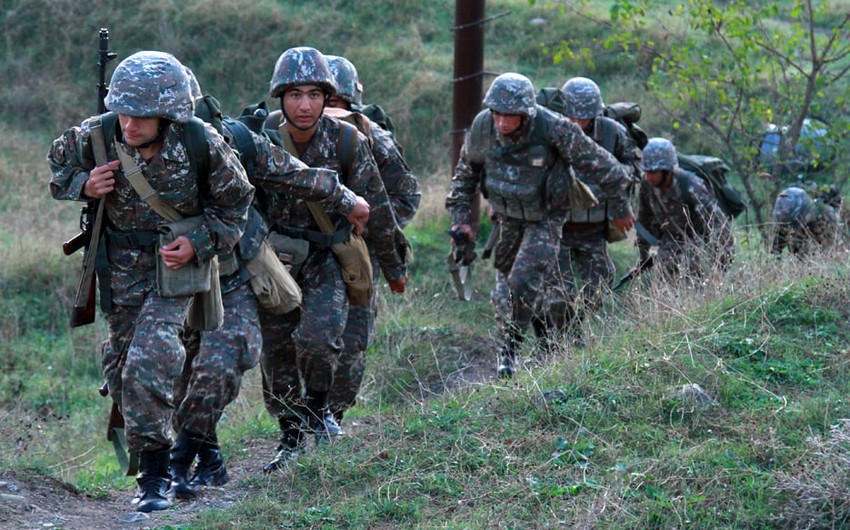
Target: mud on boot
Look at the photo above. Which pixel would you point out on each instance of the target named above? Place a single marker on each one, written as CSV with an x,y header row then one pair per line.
x,y
183,454
291,443
153,481
210,470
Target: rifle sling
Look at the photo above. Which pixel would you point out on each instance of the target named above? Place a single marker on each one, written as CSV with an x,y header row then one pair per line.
x,y
319,214
143,188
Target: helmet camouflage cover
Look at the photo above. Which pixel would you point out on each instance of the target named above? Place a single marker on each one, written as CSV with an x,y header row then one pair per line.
x,y
583,98
511,94
151,84
347,80
301,66
791,206
659,155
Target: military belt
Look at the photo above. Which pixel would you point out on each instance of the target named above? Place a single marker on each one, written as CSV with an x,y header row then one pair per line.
x,y
144,240
321,239
583,227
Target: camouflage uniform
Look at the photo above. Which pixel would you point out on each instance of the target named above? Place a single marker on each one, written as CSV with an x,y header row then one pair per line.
x,y
216,360
583,242
517,174
299,357
692,230
802,224
145,354
403,190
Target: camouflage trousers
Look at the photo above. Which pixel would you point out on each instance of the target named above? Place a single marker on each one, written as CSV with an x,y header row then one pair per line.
x,y
359,335
586,269
525,255
142,364
301,354
215,363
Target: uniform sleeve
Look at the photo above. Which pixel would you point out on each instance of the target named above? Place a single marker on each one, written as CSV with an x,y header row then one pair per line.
x,y
281,172
594,164
708,219
399,181
365,180
646,217
464,186
70,159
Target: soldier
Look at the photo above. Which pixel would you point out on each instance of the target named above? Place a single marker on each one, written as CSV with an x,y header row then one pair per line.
x,y
526,152
584,238
298,363
150,94
676,208
802,224
216,360
403,191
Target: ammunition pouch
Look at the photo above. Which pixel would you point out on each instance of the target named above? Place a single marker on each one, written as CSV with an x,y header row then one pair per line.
x,y
271,281
197,279
194,277
356,265
292,252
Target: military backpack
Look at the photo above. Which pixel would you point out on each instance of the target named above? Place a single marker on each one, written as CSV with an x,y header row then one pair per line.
x,y
712,171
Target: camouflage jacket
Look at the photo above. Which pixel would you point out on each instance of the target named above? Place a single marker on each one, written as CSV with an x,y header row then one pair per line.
x,y
224,206
285,210
614,138
568,142
686,213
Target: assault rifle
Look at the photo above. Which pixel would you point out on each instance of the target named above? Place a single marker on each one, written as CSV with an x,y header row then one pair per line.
x,y
91,215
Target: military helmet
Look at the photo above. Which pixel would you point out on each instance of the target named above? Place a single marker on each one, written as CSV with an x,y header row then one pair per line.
x,y
194,86
151,84
348,83
792,205
301,66
511,94
584,100
659,155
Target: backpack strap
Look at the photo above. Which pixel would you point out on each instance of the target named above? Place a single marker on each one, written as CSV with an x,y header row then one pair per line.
x,y
241,135
197,148
346,147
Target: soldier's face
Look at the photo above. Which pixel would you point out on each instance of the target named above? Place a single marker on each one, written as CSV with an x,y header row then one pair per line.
x,y
138,131
657,179
583,123
337,102
303,105
507,124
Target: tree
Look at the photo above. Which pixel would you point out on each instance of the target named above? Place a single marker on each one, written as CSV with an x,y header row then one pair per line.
x,y
722,71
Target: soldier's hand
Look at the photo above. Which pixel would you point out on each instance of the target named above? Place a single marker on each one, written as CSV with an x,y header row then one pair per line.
x,y
359,215
177,253
464,229
625,223
397,286
101,180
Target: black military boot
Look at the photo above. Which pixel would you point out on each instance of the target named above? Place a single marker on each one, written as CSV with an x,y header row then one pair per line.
x,y
291,443
210,470
183,454
153,480
320,420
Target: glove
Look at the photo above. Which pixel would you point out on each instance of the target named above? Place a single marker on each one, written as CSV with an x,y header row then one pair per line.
x,y
397,286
